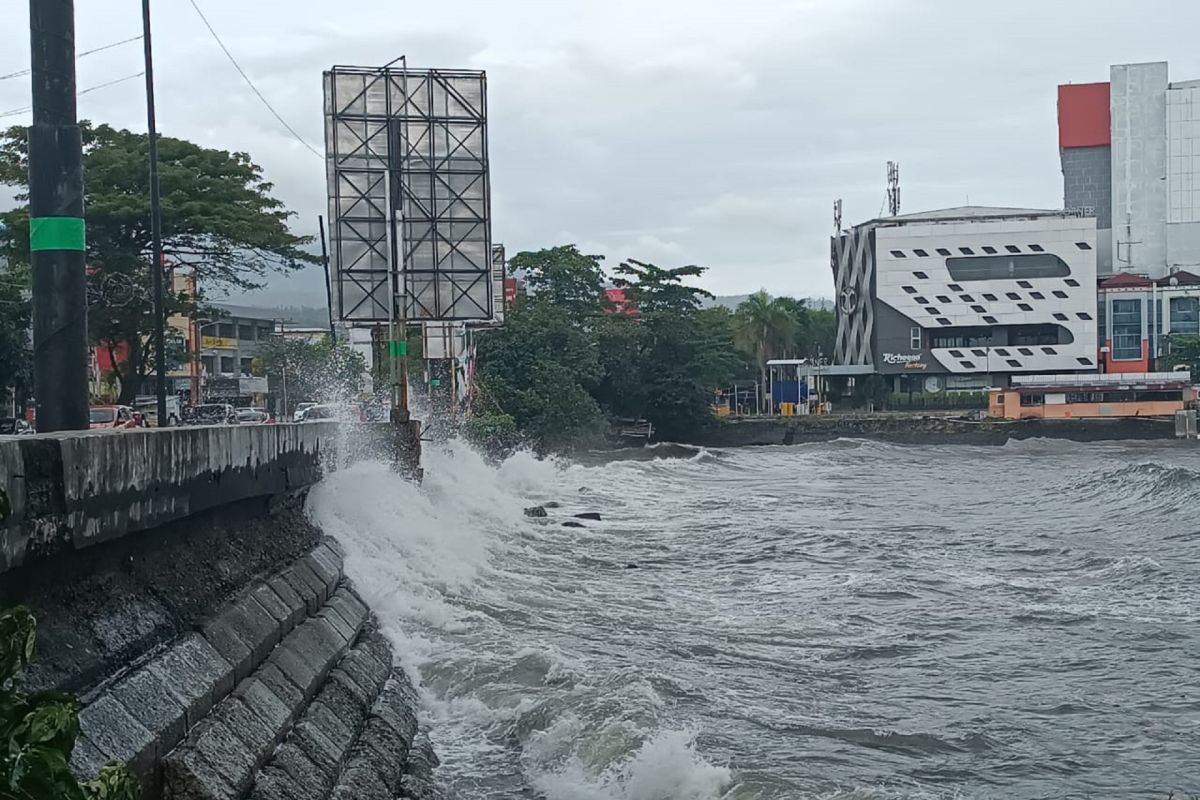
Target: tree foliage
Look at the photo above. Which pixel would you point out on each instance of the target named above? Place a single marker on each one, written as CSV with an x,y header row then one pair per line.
x,y
16,354
219,220
38,731
324,371
564,277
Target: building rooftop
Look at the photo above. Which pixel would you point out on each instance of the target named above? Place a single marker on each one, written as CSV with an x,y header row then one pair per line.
x,y
975,212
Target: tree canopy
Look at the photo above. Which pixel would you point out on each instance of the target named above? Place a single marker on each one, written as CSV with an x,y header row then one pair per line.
x,y
219,220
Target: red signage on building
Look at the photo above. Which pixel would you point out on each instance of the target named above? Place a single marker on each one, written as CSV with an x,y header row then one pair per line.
x,y
1083,115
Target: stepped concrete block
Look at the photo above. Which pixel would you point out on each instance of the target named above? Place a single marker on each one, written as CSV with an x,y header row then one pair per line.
x,y
337,728
188,775
365,671
117,733
219,745
275,784
276,606
344,628
325,753
86,758
291,598
146,696
197,674
376,644
396,707
268,706
255,625
305,656
280,685
360,782
329,558
308,583
293,762
220,634
381,749
350,608
346,698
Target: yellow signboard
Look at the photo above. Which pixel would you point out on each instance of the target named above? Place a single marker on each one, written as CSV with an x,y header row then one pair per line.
x,y
217,342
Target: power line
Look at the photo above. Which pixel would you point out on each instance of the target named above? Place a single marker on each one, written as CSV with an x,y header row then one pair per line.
x,y
104,85
250,83
78,56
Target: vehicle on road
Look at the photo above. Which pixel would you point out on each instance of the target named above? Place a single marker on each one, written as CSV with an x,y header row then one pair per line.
x,y
112,418
328,411
298,414
252,416
148,406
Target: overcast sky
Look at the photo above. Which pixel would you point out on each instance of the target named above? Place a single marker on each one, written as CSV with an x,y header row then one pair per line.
x,y
676,131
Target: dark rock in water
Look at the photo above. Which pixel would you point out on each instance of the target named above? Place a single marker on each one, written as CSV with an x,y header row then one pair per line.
x,y
552,504
573,524
535,511
632,566
593,515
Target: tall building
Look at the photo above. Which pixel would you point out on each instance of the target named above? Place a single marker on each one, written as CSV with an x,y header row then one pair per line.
x,y
1130,151
962,298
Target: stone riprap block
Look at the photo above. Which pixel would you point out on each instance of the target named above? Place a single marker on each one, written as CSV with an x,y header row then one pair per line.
x,y
418,782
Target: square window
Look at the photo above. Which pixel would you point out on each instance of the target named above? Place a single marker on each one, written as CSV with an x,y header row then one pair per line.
x,y
898,254
1037,248
978,309
931,310
980,353
1012,296
1060,317
1000,351
909,289
921,275
1025,284
966,251
914,338
1012,248
1025,351
943,321
941,251
1012,362
941,298
1060,294
920,300
1025,306
1083,245
1084,315
920,253
1071,282
954,287
1036,296
966,298
991,251
991,298
1087,362
990,320
967,364
956,353
1050,351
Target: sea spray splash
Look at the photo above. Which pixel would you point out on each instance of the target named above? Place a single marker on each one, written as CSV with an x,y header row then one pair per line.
x,y
474,596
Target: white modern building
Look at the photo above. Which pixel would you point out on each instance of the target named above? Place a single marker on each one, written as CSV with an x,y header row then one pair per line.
x,y
962,298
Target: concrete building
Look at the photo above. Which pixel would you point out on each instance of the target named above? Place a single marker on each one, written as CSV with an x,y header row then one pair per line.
x,y
1140,316
962,298
1130,152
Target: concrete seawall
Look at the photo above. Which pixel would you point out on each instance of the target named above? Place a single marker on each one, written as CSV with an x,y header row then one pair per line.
x,y
206,625
913,429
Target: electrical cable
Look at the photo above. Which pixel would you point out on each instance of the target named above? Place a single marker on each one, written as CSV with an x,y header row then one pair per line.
x,y
78,56
250,83
104,85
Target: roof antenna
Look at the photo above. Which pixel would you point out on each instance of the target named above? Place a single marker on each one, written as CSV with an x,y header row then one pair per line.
x,y
893,190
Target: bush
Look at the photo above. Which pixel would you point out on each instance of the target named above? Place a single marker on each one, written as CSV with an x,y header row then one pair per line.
x,y
494,434
38,731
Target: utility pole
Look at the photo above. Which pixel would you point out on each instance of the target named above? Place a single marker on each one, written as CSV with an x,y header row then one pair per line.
x,y
156,269
57,241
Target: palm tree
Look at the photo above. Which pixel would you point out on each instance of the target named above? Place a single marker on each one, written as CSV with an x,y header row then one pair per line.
x,y
764,328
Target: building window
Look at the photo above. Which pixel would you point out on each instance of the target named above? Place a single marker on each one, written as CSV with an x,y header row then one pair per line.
x,y
909,289
1025,284
245,365
966,251
1025,306
228,365
1083,245
1012,248
968,364
1012,362
1039,334
208,364
1012,295
956,354
1037,248
1036,296
931,310
921,275
1185,315
1071,282
1032,400
920,300
1000,351
226,330
1126,330
960,337
990,320
920,253
898,254
914,338
1050,351
954,287
978,309
941,298
1087,362
1009,267
991,251
246,332
944,321
966,298
991,298
979,353
1060,294
1060,316
1025,351
941,251
1084,315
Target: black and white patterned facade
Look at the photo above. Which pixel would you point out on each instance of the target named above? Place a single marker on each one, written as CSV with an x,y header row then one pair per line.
x,y
968,291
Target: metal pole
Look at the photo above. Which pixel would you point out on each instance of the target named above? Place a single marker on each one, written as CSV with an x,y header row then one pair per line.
x,y
56,229
156,268
328,284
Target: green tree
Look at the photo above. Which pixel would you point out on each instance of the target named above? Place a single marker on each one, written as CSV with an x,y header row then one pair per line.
x,y
766,328
38,731
219,219
564,277
1184,350
16,355
324,371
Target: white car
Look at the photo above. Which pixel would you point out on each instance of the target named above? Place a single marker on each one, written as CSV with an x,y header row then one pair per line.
x,y
298,414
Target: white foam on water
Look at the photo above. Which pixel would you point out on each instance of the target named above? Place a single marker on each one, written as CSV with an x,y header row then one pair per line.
x,y
440,564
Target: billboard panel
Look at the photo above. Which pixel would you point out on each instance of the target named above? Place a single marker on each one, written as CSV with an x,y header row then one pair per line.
x,y
443,340
409,192
499,264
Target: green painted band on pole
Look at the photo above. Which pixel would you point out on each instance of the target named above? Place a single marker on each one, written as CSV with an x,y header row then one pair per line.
x,y
56,233
398,348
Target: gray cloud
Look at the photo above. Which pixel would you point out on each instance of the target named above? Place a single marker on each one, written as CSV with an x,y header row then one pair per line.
x,y
684,132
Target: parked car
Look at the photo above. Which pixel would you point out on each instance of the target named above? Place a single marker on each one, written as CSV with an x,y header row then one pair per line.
x,y
298,414
113,417
326,411
148,406
252,416
213,414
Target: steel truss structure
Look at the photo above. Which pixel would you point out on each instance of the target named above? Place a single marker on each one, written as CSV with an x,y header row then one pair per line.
x,y
409,194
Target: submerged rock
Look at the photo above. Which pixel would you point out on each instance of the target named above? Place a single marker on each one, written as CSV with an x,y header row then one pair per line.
x,y
573,524
592,515
535,511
